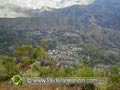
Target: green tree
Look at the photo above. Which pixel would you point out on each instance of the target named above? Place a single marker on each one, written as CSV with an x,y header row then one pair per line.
x,y
84,71
114,79
9,64
44,43
3,72
39,53
23,51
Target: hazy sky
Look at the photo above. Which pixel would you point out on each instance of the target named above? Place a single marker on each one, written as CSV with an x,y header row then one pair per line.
x,y
58,0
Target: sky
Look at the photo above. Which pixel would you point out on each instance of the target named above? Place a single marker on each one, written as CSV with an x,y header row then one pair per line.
x,y
58,0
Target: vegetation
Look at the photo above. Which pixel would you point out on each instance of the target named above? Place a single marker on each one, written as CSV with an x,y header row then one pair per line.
x,y
8,67
35,62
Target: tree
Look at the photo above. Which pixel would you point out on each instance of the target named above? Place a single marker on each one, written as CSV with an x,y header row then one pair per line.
x,y
44,43
36,70
3,72
114,79
9,64
84,71
39,53
23,51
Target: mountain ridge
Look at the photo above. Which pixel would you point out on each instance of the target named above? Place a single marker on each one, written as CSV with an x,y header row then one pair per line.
x,y
96,24
42,5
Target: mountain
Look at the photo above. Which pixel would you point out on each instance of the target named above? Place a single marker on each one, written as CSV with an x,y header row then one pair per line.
x,y
102,13
96,24
17,8
38,4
